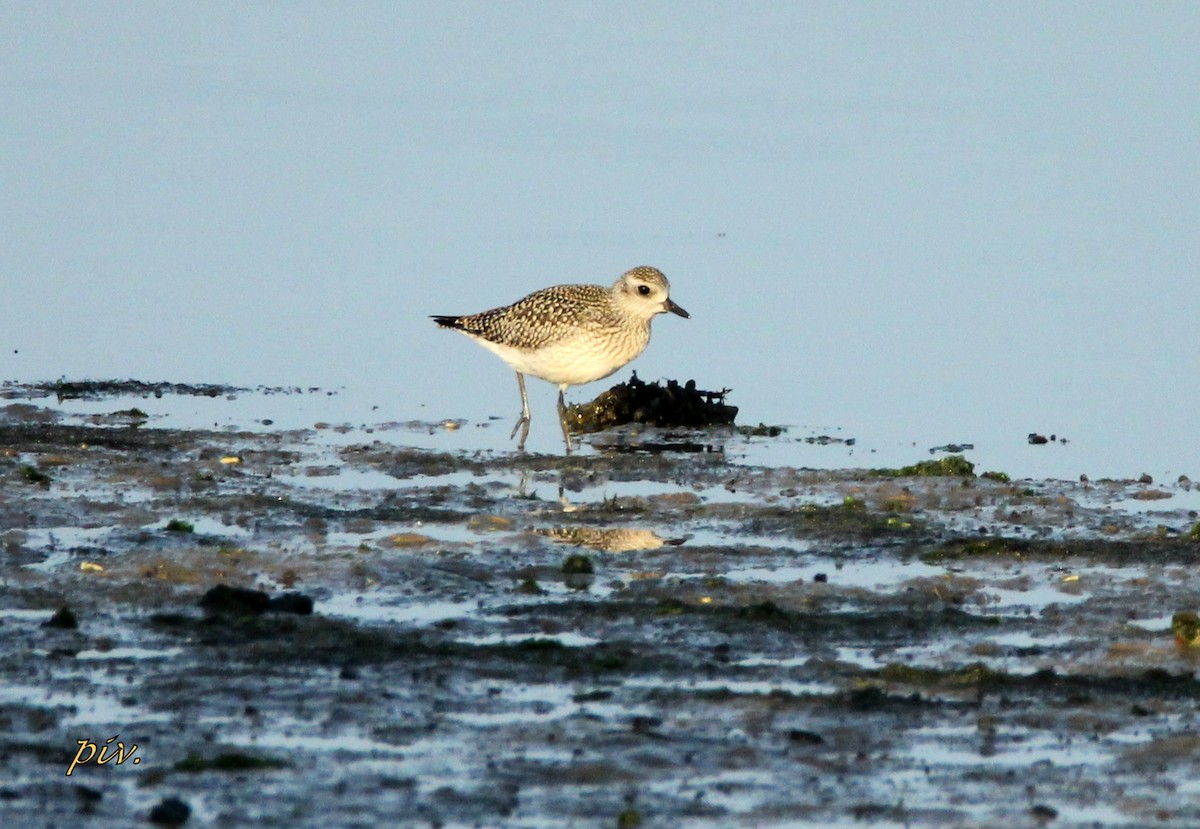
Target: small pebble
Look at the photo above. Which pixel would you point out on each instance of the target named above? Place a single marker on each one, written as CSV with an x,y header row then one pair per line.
x,y
63,618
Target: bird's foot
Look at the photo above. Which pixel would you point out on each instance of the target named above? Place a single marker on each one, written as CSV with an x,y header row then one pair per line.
x,y
522,426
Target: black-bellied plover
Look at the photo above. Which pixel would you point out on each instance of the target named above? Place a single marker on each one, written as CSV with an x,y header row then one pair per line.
x,y
571,334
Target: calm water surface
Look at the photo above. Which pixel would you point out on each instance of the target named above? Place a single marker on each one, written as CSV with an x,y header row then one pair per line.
x,y
911,225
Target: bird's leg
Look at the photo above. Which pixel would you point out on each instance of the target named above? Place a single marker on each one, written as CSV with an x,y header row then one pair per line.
x,y
562,417
523,420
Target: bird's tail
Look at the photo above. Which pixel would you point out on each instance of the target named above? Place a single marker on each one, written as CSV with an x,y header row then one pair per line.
x,y
448,322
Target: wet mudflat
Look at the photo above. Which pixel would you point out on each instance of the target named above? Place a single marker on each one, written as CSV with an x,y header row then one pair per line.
x,y
631,637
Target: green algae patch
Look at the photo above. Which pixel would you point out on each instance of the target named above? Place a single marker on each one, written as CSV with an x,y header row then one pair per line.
x,y
671,607
530,587
974,675
1186,627
872,699
762,430
234,761
578,565
767,613
1112,552
403,462
176,525
34,475
629,819
850,518
831,513
131,414
962,548
951,466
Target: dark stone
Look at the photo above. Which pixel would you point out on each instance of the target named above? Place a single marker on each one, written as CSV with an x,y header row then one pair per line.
x,y
63,618
236,601
171,811
808,738
297,603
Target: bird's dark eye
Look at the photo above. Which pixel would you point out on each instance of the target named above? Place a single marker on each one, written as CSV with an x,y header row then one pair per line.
x,y
644,290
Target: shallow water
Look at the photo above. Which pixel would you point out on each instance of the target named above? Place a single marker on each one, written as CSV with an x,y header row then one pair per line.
x,y
907,226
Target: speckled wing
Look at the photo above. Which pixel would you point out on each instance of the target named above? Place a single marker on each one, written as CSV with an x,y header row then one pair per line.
x,y
540,319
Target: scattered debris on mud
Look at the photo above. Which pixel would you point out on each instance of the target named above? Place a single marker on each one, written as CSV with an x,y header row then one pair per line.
x,y
283,629
100,389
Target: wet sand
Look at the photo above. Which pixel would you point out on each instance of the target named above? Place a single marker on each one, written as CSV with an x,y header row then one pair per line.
x,y
657,636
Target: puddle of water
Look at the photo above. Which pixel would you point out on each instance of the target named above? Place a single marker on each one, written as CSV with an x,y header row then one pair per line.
x,y
389,608
523,703
593,589
740,792
1154,624
52,538
869,575
733,686
446,759
1032,602
139,654
762,661
861,657
720,537
70,488
918,790
1181,501
84,709
566,639
23,615
1024,639
343,478
59,542
962,652
1188,786
252,410
294,736
1049,585
963,746
1178,512
589,493
579,493
202,526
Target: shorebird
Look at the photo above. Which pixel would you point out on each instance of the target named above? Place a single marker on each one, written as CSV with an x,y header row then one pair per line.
x,y
570,334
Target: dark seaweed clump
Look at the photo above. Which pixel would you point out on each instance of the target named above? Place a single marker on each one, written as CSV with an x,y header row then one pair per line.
x,y
653,404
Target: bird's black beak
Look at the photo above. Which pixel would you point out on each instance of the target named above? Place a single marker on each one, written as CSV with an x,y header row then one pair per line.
x,y
675,309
